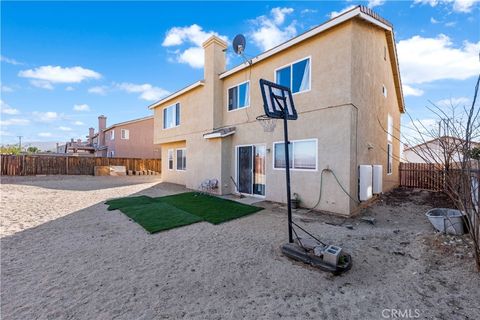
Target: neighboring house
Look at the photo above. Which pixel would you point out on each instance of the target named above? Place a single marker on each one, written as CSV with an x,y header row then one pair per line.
x,y
78,147
129,139
346,86
442,150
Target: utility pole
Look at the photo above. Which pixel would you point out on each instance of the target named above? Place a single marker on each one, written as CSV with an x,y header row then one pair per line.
x,y
20,143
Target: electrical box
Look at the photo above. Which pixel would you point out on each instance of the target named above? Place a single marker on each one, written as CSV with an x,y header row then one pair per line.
x,y
365,190
377,179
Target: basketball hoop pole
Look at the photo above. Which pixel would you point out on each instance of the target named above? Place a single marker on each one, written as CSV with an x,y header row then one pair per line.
x,y
287,173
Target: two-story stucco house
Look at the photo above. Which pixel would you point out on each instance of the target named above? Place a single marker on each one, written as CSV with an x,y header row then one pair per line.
x,y
129,139
346,86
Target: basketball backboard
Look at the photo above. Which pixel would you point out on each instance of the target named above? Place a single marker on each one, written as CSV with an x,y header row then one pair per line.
x,y
277,99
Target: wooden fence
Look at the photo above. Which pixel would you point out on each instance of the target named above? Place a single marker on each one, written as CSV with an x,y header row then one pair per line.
x,y
25,165
422,175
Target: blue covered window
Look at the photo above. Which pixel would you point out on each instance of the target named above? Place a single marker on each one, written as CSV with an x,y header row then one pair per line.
x,y
295,76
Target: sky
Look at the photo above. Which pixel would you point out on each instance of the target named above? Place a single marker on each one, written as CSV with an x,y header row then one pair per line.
x,y
65,63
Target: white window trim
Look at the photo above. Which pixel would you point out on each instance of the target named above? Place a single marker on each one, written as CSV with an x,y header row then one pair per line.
x,y
176,158
238,85
173,159
388,158
163,115
121,134
112,135
291,74
293,155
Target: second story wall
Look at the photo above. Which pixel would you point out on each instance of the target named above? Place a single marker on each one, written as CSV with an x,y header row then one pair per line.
x,y
330,68
136,141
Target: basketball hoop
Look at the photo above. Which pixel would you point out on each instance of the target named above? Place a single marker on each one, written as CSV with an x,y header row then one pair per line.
x,y
267,123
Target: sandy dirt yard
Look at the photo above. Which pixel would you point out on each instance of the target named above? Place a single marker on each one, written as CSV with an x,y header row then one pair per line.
x,y
64,256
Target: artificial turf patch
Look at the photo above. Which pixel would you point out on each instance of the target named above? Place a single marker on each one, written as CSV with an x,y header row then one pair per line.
x,y
163,213
211,208
159,216
128,201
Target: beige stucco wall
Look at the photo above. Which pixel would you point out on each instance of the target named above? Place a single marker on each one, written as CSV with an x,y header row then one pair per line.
x,y
340,111
138,145
370,71
173,175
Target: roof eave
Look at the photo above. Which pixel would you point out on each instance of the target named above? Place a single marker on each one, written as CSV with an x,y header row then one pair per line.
x,y
177,94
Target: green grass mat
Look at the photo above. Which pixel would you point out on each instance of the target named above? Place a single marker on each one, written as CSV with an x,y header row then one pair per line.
x,y
159,216
211,208
163,213
128,201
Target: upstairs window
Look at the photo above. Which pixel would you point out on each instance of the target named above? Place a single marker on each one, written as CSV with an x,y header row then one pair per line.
x,y
239,96
125,134
171,116
295,76
112,135
389,128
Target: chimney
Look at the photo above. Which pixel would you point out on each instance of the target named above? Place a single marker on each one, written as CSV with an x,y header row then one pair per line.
x,y
102,124
215,63
91,132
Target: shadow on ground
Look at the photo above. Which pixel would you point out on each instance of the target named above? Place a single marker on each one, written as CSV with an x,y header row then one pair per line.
x,y
95,264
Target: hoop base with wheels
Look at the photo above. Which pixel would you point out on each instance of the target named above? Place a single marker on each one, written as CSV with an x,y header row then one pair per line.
x,y
268,124
295,252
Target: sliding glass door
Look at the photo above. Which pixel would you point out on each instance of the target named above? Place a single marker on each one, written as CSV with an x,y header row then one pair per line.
x,y
251,174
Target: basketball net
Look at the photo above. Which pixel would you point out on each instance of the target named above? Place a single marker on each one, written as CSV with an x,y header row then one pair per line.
x,y
267,123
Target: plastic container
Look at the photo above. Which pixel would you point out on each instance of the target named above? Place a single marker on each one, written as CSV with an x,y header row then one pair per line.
x,y
446,220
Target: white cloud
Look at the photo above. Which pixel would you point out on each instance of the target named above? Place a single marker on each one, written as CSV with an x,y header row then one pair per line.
x,y
375,3
44,76
191,35
305,11
279,14
6,109
46,116
455,102
334,14
69,88
10,61
78,123
44,134
193,56
65,128
6,88
463,6
15,122
81,107
41,84
101,90
270,31
428,59
146,90
451,24
410,91
5,133
433,20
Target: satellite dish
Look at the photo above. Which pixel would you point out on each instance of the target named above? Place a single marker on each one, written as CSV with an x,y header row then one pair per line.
x,y
239,44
